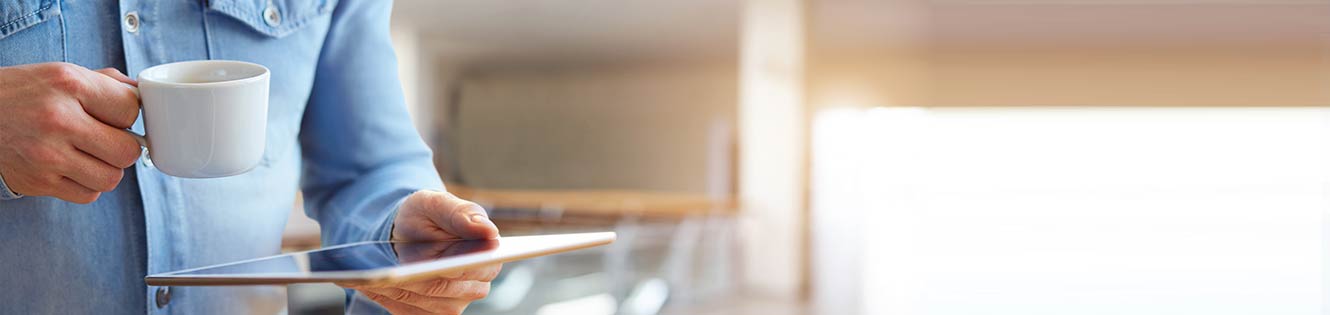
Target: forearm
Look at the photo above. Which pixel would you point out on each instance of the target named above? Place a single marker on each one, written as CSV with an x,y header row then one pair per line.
x,y
362,155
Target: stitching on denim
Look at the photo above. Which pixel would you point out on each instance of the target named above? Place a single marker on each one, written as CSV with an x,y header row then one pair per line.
x,y
5,29
64,32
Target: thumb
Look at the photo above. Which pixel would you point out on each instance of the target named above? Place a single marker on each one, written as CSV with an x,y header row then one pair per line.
x,y
459,217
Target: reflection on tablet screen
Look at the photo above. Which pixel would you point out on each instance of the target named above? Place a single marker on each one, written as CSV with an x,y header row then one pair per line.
x,y
355,257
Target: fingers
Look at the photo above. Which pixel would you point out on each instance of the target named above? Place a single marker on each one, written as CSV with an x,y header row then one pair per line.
x,y
449,295
469,290
393,306
485,273
62,188
117,75
91,172
44,169
112,146
61,130
412,303
68,190
103,97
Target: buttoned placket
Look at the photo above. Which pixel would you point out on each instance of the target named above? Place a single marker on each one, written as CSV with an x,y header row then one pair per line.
x,y
162,33
134,25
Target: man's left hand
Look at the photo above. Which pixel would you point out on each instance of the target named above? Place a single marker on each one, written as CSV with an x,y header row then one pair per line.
x,y
437,216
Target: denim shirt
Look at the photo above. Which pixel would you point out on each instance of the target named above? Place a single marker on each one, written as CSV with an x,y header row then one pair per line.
x,y
337,130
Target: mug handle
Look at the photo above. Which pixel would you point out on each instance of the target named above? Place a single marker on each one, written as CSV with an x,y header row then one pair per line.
x,y
141,139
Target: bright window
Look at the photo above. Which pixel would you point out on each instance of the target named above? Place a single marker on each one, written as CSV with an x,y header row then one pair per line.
x,y
1071,210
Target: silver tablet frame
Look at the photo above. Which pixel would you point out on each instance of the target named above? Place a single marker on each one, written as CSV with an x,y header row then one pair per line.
x,y
403,273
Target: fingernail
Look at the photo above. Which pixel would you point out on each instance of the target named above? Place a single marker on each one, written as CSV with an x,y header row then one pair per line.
x,y
479,219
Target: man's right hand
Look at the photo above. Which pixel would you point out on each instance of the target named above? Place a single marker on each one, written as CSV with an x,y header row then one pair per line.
x,y
62,130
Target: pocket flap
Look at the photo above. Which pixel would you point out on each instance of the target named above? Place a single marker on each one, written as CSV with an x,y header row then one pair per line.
x,y
275,18
17,15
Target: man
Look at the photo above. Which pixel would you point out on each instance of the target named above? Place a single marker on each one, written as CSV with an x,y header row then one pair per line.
x,y
83,219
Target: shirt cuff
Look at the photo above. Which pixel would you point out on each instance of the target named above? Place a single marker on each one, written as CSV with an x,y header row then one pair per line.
x,y
385,228
5,193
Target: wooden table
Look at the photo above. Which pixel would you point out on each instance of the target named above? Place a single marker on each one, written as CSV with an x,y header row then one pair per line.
x,y
518,209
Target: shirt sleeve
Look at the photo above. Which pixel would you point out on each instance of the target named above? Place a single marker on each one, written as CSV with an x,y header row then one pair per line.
x,y
5,193
362,156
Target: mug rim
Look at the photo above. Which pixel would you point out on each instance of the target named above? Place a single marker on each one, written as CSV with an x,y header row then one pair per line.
x,y
263,74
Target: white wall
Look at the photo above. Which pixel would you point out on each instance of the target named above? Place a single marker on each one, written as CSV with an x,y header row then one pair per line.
x,y
418,80
773,146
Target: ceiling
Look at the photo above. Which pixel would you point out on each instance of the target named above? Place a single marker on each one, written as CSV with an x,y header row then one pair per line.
x,y
560,30
845,24
479,31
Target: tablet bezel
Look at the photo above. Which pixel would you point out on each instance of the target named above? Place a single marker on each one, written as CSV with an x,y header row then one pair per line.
x,y
402,273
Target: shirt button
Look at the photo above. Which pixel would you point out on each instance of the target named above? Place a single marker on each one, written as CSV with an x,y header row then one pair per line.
x,y
163,296
271,16
132,22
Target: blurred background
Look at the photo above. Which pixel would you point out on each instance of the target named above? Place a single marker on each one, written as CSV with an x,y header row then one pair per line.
x,y
883,156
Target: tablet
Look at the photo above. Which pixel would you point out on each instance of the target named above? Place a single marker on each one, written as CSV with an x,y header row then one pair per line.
x,y
379,262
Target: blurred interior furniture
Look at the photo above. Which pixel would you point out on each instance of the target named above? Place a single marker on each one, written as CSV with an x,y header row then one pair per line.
x,y
674,250
669,252
645,149
666,192
558,119
560,206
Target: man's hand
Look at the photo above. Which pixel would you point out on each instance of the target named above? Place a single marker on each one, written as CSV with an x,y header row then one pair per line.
x,y
437,216
61,130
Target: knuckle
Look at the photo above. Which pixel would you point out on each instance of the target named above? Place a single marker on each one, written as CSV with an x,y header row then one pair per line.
x,y
65,77
52,120
440,288
468,290
54,182
47,109
402,295
376,297
48,181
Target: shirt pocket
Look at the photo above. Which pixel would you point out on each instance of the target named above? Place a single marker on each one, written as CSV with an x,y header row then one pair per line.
x,y
274,18
30,32
18,15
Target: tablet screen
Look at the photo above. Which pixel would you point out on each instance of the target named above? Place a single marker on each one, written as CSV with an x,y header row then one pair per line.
x,y
364,256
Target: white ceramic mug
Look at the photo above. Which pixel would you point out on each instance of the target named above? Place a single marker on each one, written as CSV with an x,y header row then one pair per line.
x,y
204,118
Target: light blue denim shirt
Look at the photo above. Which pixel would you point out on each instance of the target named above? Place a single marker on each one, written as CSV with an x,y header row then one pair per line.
x,y
338,130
